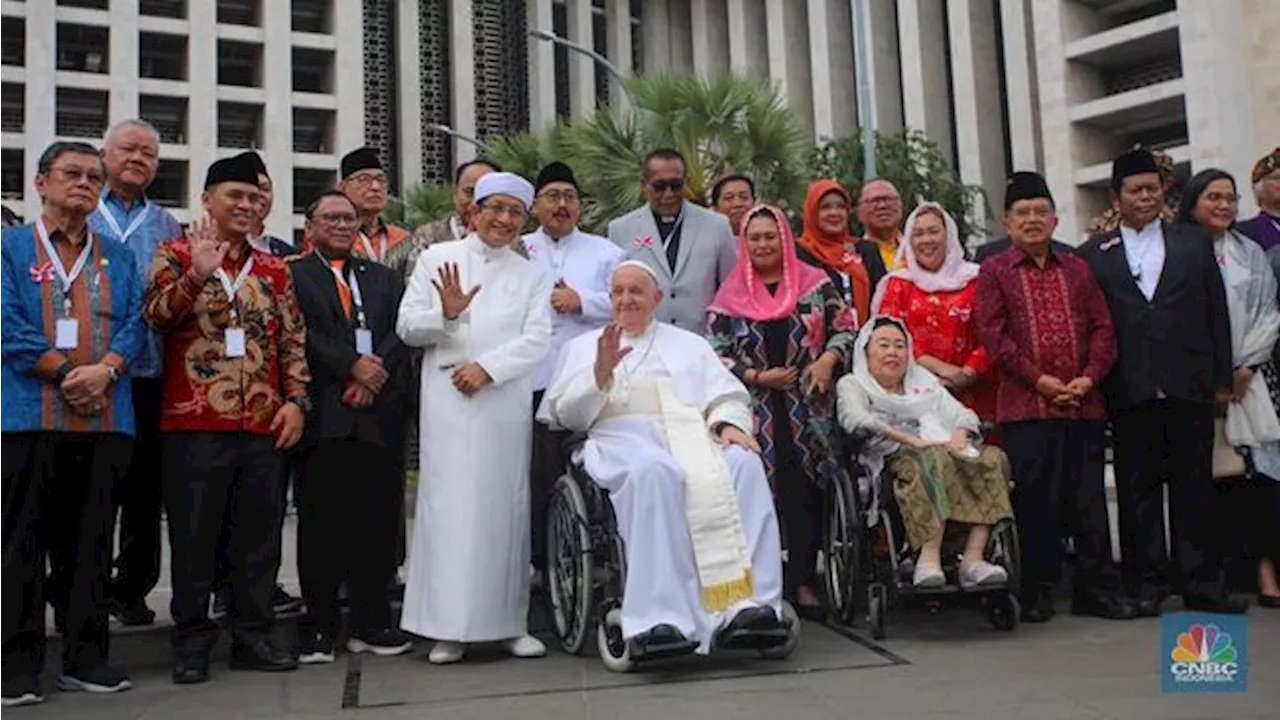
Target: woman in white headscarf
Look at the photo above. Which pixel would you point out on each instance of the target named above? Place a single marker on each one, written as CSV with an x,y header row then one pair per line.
x,y
929,441
934,294
1252,425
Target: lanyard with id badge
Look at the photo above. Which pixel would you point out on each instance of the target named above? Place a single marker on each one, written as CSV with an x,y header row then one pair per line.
x,y
66,328
364,336
110,220
234,336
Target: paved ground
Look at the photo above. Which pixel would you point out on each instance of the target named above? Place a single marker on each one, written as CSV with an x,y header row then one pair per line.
x,y
952,665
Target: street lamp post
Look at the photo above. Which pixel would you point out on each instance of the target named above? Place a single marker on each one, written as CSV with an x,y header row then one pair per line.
x,y
600,60
446,130
867,113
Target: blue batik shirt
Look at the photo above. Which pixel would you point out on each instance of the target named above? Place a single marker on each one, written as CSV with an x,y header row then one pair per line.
x,y
154,225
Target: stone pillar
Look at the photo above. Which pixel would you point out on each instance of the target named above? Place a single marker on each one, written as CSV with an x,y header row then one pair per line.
x,y
976,85
886,72
542,67
409,106
680,31
1021,86
1055,122
618,20
202,104
277,114
748,37
41,65
463,67
926,97
582,69
123,64
788,33
709,21
831,58
655,25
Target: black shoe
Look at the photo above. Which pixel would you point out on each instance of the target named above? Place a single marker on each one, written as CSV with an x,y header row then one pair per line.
x,y
262,655
284,604
191,667
133,615
21,690
1268,601
1219,605
218,609
753,628
383,643
317,647
661,641
1151,607
1108,606
1038,609
102,680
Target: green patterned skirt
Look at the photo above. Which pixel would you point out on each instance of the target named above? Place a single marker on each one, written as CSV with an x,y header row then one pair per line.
x,y
934,486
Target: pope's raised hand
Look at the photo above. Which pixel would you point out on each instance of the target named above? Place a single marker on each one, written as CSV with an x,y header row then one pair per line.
x,y
609,354
207,250
453,300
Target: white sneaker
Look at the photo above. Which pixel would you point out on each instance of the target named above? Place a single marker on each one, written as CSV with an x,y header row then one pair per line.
x,y
526,646
445,653
981,573
928,576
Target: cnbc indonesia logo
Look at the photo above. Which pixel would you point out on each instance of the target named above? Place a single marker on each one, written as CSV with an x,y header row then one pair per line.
x,y
1204,655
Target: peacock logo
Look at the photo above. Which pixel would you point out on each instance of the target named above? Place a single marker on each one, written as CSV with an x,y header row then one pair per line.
x,y
1204,654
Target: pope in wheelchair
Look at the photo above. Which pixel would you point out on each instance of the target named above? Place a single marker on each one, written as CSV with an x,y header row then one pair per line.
x,y
669,436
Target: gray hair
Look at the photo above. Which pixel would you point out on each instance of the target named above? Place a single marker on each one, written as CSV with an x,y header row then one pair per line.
x,y
62,147
131,122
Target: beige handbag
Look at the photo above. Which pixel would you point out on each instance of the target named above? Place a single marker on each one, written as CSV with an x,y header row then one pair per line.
x,y
1227,461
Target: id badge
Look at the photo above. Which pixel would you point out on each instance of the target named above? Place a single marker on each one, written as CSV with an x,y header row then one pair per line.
x,y
66,334
364,341
235,342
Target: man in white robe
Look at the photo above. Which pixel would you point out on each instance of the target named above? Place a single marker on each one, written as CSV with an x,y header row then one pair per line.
x,y
577,266
670,438
480,311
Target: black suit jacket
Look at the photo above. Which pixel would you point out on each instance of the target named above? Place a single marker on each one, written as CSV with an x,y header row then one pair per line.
x,y
999,245
331,351
871,260
1179,342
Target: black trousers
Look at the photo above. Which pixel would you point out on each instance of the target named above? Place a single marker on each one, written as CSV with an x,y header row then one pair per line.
x,y
347,515
799,504
138,497
1156,443
58,505
1059,490
550,456
222,490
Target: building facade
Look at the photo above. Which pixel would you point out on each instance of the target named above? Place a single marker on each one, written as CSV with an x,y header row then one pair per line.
x,y
1055,85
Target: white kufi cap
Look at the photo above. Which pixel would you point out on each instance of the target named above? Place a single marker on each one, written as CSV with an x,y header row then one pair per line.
x,y
505,183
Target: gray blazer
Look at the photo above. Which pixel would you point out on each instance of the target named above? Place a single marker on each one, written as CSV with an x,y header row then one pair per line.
x,y
707,254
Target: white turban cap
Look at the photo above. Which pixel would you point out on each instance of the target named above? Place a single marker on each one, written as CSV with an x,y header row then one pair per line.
x,y
505,183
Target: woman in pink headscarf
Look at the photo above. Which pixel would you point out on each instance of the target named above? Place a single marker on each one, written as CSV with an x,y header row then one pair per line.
x,y
786,331
934,296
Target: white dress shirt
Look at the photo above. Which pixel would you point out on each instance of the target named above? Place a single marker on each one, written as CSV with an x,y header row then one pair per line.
x,y
1144,250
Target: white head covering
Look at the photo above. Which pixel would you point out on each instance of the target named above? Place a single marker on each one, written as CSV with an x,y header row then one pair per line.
x,y
636,264
505,183
921,389
955,273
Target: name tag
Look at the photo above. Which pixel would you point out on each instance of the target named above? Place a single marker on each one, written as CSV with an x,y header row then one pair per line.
x,y
235,342
66,334
364,341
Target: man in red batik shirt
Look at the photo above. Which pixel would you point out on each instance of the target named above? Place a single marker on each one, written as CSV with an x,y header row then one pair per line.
x,y
235,397
1045,323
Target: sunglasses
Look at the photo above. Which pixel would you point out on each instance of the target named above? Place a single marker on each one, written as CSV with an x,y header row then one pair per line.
x,y
664,185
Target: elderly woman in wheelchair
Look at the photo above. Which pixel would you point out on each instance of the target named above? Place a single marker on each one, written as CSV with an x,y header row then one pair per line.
x,y
688,520
928,442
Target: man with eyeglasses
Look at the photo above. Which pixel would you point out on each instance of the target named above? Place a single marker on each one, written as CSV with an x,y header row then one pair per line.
x,y
1045,322
351,465
72,324
480,311
880,212
691,248
577,266
365,183
455,227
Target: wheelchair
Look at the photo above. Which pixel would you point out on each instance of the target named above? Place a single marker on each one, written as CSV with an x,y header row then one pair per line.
x,y
586,575
868,565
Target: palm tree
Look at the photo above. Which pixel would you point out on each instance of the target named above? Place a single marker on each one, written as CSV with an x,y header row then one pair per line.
x,y
419,204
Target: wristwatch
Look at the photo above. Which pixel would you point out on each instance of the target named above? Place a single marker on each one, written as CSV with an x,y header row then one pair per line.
x,y
302,401
63,371
112,374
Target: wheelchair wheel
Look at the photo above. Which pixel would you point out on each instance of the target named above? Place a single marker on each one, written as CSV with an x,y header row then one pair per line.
x,y
1004,612
844,547
615,652
781,652
877,610
569,564
1003,550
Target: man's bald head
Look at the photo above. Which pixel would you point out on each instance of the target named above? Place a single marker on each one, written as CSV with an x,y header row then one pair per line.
x,y
635,294
880,207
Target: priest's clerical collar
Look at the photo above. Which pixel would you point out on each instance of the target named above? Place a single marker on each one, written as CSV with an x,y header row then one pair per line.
x,y
668,219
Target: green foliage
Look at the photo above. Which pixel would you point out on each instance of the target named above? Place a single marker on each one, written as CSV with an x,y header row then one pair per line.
x,y
420,204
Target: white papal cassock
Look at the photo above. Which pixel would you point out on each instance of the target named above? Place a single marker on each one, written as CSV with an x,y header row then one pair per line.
x,y
469,563
677,532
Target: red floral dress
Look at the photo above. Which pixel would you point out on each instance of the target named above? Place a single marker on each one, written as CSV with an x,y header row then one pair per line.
x,y
944,325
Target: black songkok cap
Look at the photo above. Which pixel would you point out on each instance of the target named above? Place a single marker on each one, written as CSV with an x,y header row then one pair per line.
x,y
1134,162
255,159
555,172
233,169
1025,185
365,158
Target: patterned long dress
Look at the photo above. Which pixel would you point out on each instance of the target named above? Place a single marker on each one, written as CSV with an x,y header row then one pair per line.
x,y
796,430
